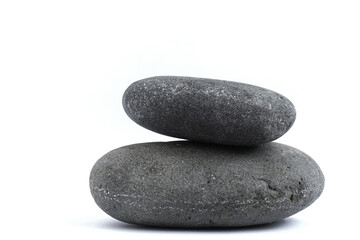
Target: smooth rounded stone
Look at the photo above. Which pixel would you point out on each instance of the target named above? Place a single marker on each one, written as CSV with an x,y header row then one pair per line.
x,y
189,185
209,110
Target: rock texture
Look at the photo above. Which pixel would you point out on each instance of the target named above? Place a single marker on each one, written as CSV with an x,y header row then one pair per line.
x,y
188,184
208,110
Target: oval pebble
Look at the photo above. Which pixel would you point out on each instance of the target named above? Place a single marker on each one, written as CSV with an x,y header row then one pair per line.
x,y
190,185
209,110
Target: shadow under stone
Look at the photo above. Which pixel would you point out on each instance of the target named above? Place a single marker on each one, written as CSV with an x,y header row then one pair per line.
x,y
279,225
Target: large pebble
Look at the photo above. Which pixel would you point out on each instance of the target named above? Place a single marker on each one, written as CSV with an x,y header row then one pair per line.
x,y
190,185
208,110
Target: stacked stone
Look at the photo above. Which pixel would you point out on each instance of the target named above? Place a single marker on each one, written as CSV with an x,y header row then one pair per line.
x,y
227,173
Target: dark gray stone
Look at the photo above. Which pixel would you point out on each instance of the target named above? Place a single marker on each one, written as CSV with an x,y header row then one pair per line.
x,y
208,110
190,185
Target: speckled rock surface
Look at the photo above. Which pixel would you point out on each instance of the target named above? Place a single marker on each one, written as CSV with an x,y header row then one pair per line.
x,y
190,185
208,110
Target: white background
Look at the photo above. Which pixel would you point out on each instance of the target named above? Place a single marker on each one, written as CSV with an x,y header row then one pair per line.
x,y
64,66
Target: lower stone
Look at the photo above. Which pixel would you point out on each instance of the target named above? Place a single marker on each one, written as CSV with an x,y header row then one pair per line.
x,y
191,185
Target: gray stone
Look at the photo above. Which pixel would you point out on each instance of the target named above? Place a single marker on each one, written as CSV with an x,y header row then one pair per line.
x,y
190,185
208,110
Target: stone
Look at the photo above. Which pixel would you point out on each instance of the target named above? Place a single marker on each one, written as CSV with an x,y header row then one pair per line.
x,y
208,110
187,184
